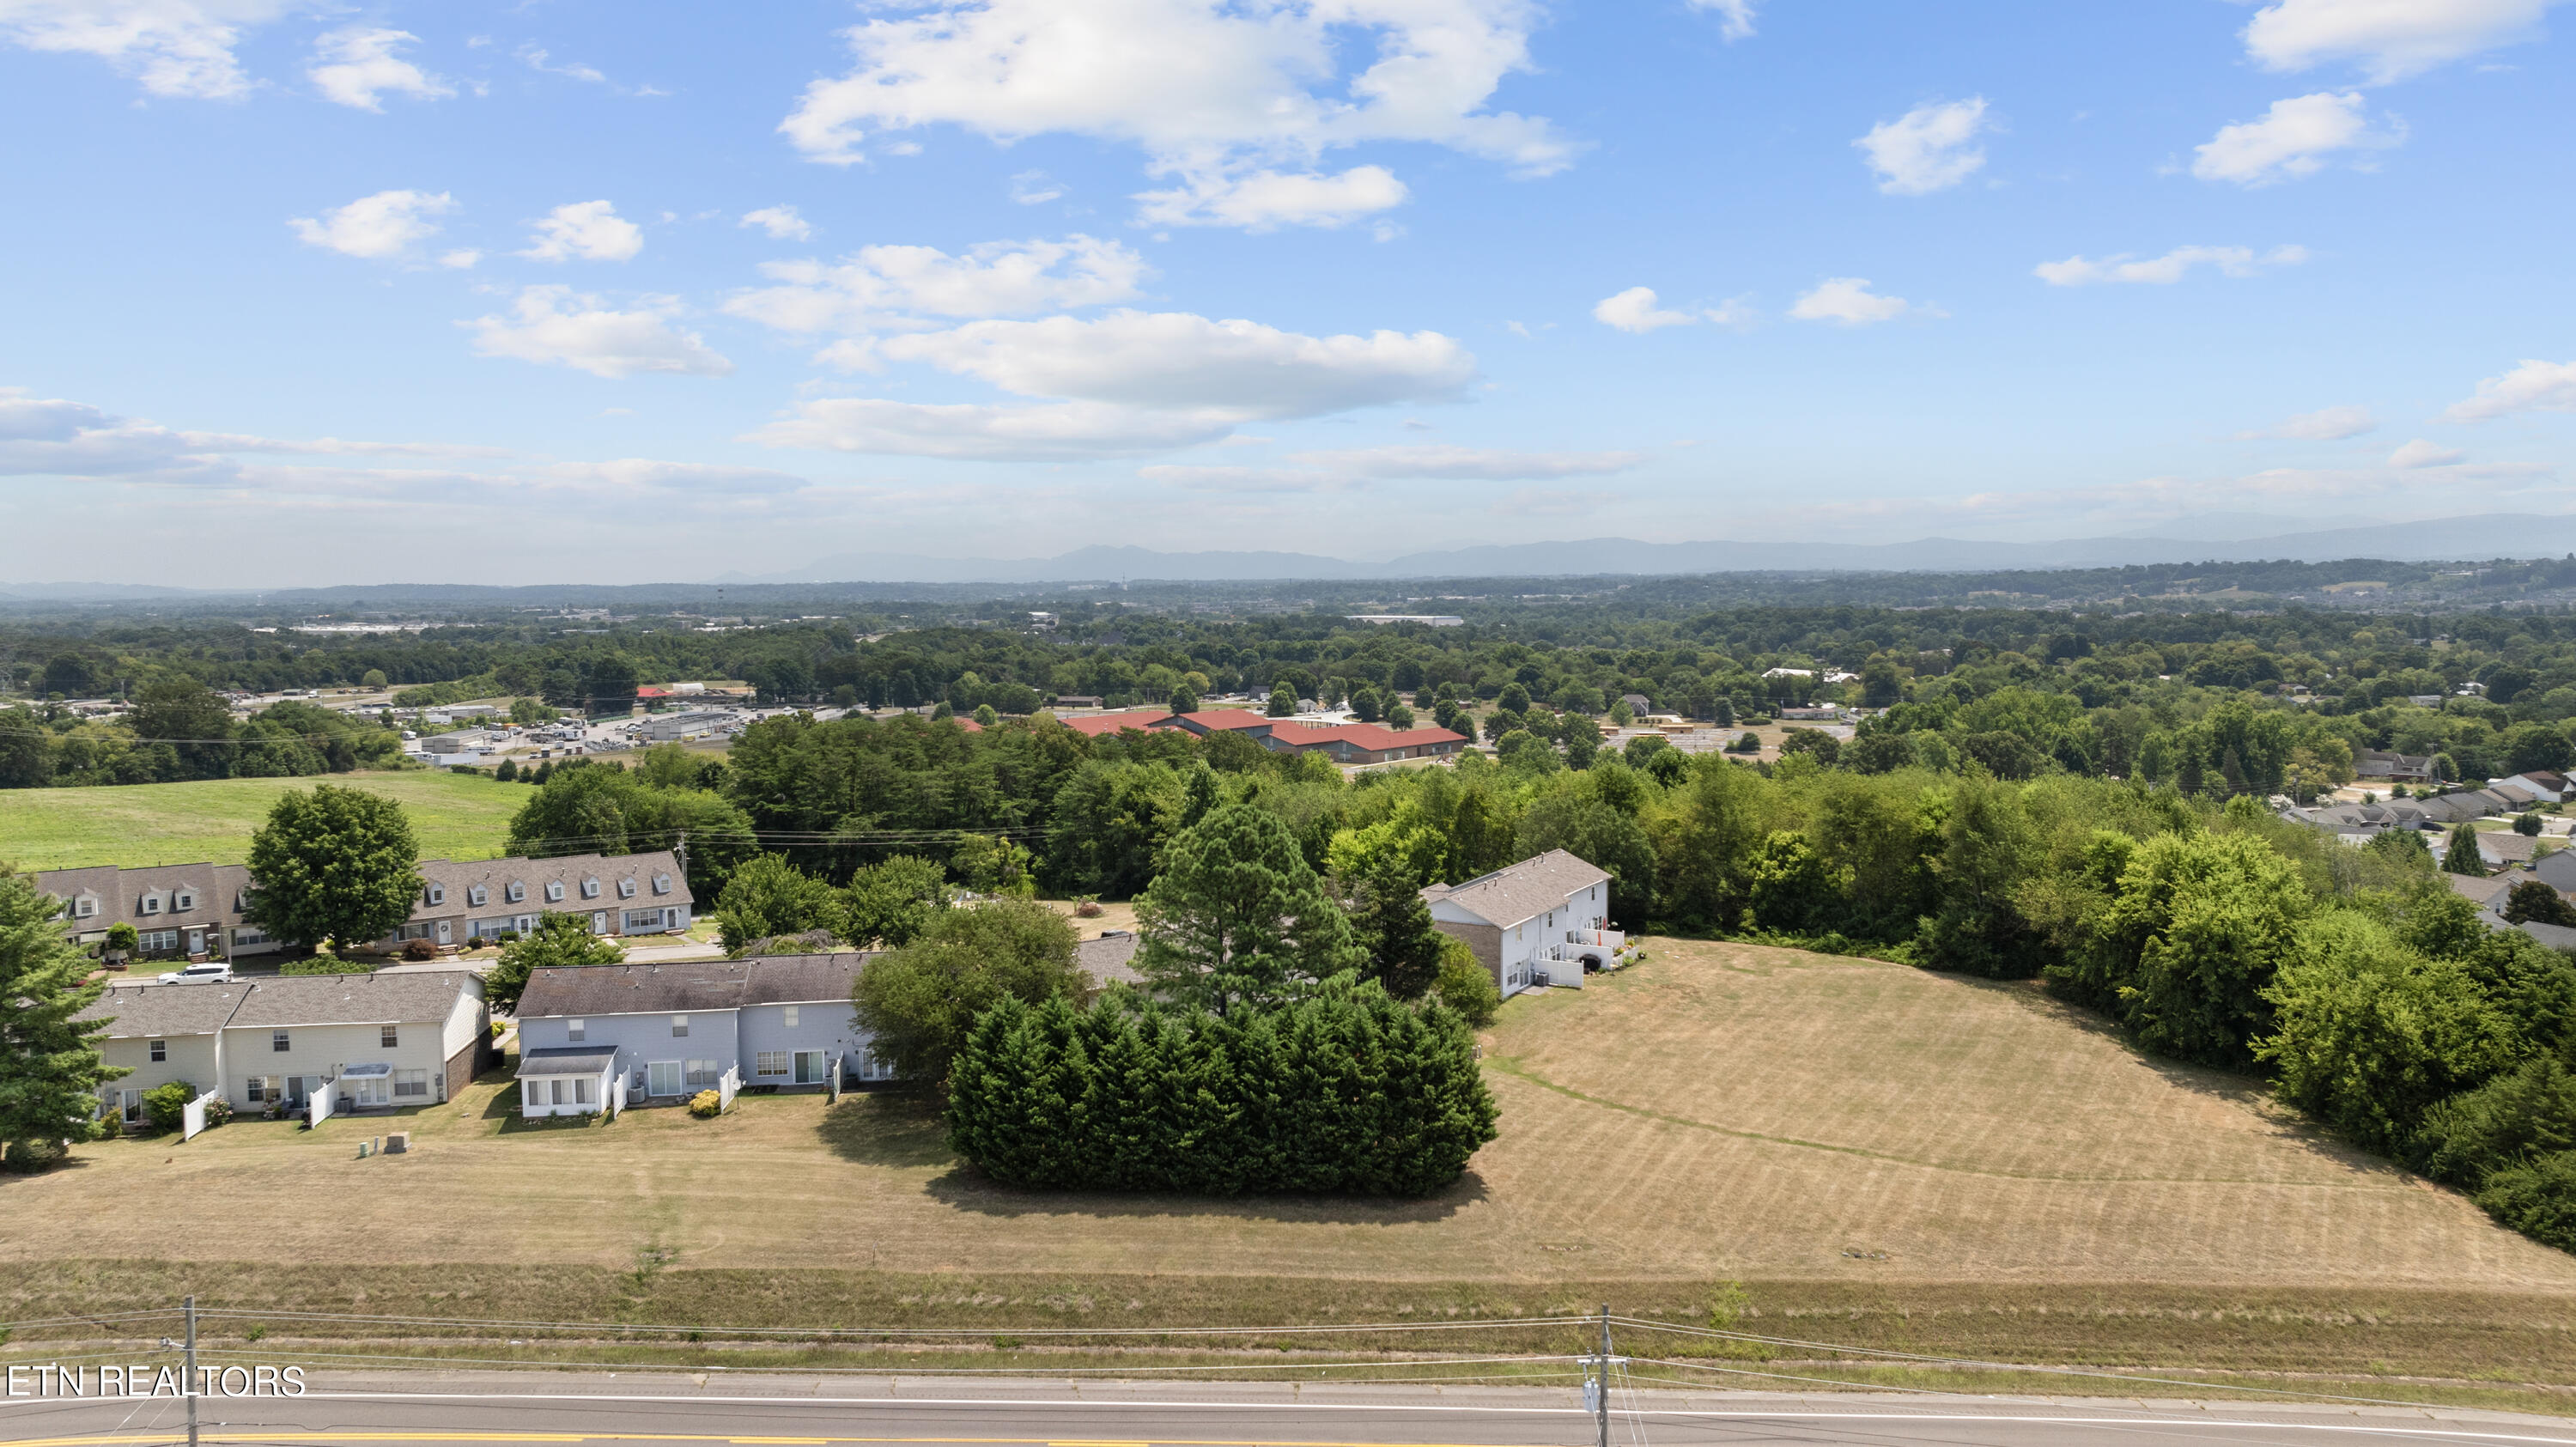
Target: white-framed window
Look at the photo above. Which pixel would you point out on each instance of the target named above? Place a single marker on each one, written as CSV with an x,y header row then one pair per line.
x,y
581,1090
157,939
279,1042
477,895
563,1091
664,1077
516,891
590,889
626,889
438,894
679,1027
182,902
151,904
249,934
661,884
810,1065
160,1051
787,1016
703,1073
411,1083
84,907
259,1090
554,891
771,1064
389,1036
643,919
576,1030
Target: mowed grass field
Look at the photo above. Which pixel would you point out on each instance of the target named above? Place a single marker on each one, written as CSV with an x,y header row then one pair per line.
x,y
1719,1111
456,817
1879,1155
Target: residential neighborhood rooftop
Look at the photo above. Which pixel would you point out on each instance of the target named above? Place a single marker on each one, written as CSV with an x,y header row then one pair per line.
x,y
1521,891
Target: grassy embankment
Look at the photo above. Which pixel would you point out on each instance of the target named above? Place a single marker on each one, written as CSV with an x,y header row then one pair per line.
x,y
1880,1156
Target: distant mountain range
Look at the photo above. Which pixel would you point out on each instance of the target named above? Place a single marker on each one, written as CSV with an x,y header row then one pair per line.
x,y
2211,538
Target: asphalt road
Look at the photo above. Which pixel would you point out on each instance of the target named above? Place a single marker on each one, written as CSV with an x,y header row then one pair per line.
x,y
608,1409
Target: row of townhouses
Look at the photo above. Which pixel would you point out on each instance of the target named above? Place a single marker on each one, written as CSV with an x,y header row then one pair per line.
x,y
199,910
392,1039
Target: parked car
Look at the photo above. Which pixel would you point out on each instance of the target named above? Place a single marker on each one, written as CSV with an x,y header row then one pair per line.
x,y
211,972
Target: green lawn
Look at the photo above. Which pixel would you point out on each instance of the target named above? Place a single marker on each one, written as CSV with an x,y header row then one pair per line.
x,y
456,817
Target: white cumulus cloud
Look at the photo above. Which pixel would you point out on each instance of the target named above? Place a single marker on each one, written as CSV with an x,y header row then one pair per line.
x,y
2326,424
1035,188
1178,360
376,227
2165,270
356,66
1263,200
2391,39
1734,17
2532,387
781,222
588,230
879,285
1848,301
1125,384
174,48
558,327
2294,138
2420,453
1930,148
1637,310
1238,102
1060,432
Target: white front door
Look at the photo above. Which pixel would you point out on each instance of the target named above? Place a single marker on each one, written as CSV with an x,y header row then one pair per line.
x,y
665,1077
443,936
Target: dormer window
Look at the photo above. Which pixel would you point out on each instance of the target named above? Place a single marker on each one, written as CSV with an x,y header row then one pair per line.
x,y
590,889
661,884
554,890
477,895
182,902
84,907
151,904
626,889
438,894
516,891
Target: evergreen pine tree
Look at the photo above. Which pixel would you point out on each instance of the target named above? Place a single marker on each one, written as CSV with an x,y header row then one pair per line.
x,y
50,1068
1392,927
2462,855
1237,917
1203,796
2233,769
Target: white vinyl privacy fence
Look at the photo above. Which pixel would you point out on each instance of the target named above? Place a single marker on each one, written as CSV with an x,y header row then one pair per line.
x,y
193,1119
319,1105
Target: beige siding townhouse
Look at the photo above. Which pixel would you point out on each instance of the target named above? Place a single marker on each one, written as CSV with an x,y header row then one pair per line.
x,y
622,894
176,909
392,1040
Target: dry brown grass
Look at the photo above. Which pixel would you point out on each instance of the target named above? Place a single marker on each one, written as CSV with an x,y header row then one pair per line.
x,y
1884,1155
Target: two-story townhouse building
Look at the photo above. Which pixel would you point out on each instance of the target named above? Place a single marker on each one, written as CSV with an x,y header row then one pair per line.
x,y
624,894
176,909
391,1040
1541,921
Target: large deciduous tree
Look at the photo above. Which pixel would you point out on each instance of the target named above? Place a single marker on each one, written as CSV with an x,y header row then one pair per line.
x,y
1237,917
50,1068
560,941
918,1003
333,864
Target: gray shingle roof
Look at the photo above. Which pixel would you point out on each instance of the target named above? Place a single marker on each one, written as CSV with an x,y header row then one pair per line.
x,y
157,1012
289,1000
568,1060
802,979
635,989
2482,891
1532,887
217,888
459,876
1107,960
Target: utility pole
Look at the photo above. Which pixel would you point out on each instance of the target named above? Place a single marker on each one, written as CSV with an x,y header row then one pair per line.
x,y
680,848
191,1389
1601,1403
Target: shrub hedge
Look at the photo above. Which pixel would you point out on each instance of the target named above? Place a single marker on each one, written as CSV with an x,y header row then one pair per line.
x,y
1348,1091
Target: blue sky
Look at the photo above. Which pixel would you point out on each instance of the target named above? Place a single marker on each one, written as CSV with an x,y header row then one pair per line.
x,y
575,290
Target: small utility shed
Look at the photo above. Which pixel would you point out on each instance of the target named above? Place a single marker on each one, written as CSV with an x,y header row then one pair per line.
x,y
1541,921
